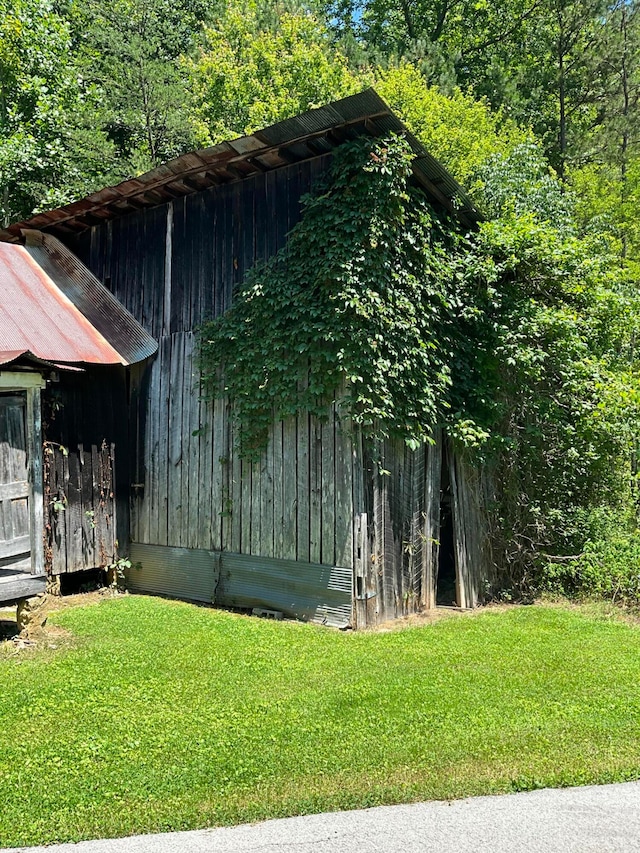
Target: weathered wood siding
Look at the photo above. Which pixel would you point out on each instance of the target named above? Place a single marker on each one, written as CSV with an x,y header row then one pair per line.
x,y
86,456
314,496
192,490
471,488
172,278
173,267
398,570
399,501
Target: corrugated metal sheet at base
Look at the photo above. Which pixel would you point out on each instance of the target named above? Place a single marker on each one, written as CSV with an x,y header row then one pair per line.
x,y
307,591
178,572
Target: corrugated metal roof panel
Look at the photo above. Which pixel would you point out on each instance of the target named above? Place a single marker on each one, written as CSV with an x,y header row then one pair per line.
x,y
42,311
362,114
96,303
36,316
307,591
362,104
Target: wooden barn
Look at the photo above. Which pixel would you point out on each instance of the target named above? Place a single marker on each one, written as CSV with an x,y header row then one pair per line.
x,y
312,529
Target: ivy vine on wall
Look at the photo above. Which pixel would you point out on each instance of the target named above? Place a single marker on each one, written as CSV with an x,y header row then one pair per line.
x,y
356,304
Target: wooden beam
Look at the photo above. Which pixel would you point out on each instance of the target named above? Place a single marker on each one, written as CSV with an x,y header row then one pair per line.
x,y
17,585
12,380
14,491
19,545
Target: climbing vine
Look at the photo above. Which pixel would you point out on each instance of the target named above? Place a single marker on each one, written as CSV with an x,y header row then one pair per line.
x,y
357,303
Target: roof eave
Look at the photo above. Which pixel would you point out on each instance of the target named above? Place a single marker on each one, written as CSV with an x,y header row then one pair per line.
x,y
296,139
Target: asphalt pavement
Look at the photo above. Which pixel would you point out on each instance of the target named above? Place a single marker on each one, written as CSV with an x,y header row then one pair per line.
x,y
596,819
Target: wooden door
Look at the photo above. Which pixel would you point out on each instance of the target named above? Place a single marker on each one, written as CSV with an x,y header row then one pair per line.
x,y
15,538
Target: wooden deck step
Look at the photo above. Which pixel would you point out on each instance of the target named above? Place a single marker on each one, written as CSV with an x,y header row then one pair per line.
x,y
16,585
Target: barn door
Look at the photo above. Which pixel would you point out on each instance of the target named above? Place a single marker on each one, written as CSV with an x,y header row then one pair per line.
x,y
21,506
15,527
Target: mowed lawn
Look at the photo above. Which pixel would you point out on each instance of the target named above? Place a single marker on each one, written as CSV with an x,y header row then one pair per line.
x,y
160,715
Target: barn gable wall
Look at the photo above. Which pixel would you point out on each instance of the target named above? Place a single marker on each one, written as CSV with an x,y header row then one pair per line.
x,y
315,496
216,236
173,267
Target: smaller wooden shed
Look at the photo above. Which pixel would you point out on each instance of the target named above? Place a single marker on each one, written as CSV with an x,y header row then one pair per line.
x,y
63,338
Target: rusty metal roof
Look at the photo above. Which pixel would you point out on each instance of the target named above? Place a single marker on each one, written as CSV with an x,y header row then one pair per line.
x,y
296,139
53,308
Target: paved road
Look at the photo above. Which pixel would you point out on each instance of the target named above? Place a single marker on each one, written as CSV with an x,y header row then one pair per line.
x,y
573,820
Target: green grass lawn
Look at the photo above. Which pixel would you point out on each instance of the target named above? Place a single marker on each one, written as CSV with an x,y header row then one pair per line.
x,y
163,716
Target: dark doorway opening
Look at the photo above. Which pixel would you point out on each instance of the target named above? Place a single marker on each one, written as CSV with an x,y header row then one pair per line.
x,y
446,582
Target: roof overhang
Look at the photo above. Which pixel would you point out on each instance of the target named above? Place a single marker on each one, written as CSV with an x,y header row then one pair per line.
x,y
294,140
53,310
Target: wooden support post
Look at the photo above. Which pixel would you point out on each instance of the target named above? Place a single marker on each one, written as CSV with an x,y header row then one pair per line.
x,y
36,506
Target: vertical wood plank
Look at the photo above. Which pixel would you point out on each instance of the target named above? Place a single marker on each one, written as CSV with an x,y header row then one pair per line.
x,y
104,517
431,528
219,460
220,265
135,451
328,523
148,511
191,425
235,492
59,517
360,570
256,494
377,552
459,534
303,487
280,510
74,512
229,260
175,503
34,454
260,232
265,544
162,498
203,250
225,463
289,492
168,278
205,473
246,492
89,507
344,518
315,491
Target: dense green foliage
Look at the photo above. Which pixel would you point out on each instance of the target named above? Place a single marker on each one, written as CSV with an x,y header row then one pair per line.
x,y
47,152
512,338
245,78
159,715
